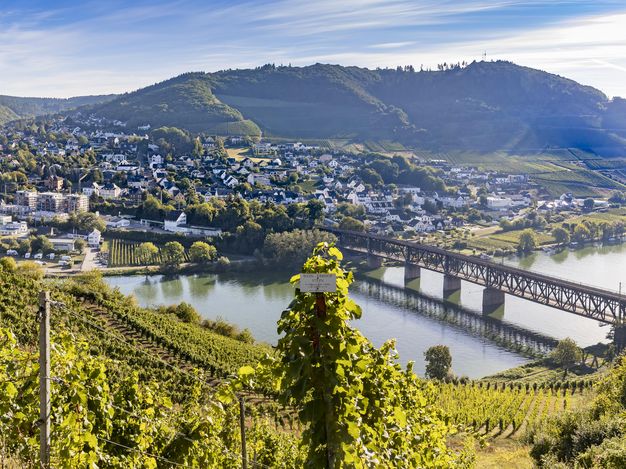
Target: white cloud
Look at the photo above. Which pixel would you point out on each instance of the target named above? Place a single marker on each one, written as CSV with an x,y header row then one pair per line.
x,y
116,51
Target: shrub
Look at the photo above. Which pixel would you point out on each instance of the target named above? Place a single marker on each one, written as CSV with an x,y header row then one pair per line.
x,y
8,264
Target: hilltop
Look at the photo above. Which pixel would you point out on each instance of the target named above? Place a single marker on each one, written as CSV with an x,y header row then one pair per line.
x,y
12,107
485,106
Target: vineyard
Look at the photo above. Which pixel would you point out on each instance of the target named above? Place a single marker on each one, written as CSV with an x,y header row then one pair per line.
x,y
499,409
123,254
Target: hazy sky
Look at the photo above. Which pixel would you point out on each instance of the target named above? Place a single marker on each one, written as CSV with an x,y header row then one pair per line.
x,y
65,48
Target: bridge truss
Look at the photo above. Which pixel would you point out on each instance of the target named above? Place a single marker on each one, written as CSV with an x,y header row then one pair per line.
x,y
584,300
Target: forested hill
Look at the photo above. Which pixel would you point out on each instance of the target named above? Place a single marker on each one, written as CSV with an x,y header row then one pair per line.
x,y
484,106
12,107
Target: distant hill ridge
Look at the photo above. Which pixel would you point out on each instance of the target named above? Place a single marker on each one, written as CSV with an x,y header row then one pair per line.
x,y
12,107
485,106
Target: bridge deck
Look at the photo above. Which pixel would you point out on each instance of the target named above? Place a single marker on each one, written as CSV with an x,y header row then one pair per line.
x,y
584,300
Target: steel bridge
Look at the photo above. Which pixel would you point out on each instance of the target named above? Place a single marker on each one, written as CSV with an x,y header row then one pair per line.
x,y
584,300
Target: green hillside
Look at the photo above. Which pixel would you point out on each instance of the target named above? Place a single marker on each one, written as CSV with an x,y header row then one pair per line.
x,y
186,101
12,107
483,107
7,114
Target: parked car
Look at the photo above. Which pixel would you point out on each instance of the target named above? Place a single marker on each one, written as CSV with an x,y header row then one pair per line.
x,y
39,255
11,252
66,258
51,256
27,255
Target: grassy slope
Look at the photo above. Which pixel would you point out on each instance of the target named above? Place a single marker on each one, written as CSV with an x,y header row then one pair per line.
x,y
186,101
7,114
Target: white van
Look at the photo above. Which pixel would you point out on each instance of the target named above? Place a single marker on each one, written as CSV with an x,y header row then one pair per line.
x,y
27,255
51,256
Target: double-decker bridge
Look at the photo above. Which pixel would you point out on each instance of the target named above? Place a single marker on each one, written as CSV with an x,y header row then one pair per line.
x,y
584,300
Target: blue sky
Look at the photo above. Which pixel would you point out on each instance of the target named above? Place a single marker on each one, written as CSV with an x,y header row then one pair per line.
x,y
66,48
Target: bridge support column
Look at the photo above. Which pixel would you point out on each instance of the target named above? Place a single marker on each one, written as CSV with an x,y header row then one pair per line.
x,y
374,262
451,285
492,299
619,337
411,272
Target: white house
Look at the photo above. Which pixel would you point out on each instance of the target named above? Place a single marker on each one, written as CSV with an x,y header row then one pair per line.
x,y
14,228
174,220
93,188
93,238
117,222
110,191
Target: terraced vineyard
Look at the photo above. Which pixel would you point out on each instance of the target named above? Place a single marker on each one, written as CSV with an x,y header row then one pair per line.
x,y
122,254
501,409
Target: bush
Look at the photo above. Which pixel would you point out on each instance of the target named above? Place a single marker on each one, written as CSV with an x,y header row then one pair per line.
x,y
183,311
610,454
8,264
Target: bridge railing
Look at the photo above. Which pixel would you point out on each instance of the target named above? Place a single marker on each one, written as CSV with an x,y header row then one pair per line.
x,y
609,293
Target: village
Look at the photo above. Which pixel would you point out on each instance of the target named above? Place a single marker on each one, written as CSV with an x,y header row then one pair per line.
x,y
43,188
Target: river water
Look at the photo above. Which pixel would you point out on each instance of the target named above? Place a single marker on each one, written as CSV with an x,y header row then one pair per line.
x,y
255,300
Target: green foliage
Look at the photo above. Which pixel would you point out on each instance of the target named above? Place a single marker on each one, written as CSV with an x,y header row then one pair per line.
x,y
438,361
85,221
591,437
174,253
186,102
566,354
201,252
561,235
103,420
8,264
527,241
183,311
351,224
292,248
146,252
359,406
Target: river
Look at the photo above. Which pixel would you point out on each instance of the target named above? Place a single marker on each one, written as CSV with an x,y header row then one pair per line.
x,y
255,300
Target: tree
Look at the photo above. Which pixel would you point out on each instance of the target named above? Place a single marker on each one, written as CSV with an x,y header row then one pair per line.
x,y
42,244
351,224
315,210
86,221
202,252
173,254
588,204
358,407
561,235
581,233
24,246
80,244
292,248
566,354
527,241
438,361
145,252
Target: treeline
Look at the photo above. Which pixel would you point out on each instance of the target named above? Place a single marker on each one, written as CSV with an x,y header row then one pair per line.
x,y
381,171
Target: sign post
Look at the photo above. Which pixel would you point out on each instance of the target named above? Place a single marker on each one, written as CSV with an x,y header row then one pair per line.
x,y
318,283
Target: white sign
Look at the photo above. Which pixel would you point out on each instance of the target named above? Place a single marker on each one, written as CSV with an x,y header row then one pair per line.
x,y
310,283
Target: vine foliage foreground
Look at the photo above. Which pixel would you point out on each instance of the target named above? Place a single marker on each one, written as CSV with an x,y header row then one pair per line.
x,y
359,406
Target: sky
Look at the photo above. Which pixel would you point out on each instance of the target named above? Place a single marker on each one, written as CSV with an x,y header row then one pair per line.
x,y
67,48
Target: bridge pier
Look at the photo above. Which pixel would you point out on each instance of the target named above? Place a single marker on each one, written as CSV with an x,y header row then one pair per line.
x,y
374,262
411,272
492,299
619,337
451,285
